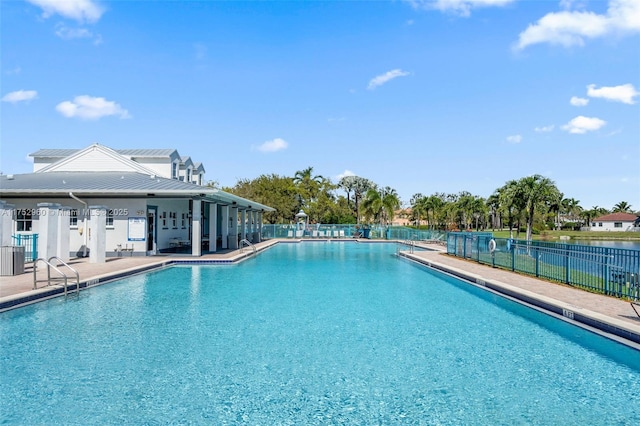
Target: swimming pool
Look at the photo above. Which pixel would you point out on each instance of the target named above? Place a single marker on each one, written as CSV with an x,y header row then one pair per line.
x,y
311,333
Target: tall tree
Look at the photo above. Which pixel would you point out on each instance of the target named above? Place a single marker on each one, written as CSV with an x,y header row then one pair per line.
x,y
360,188
622,207
536,192
308,184
380,205
347,183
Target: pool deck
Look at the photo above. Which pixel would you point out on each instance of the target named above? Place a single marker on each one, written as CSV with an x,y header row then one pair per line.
x,y
613,316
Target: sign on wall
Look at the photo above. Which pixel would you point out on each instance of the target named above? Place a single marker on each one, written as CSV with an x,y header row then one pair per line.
x,y
137,229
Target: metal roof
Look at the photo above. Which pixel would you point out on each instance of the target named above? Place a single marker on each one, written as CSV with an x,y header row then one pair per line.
x,y
54,152
65,152
146,152
113,184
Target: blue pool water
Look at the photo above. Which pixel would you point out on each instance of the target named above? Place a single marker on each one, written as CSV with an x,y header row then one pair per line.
x,y
312,333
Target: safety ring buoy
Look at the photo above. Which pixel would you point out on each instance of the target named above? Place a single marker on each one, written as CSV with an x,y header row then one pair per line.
x,y
492,245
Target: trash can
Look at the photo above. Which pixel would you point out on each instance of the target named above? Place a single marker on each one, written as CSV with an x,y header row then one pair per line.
x,y
11,260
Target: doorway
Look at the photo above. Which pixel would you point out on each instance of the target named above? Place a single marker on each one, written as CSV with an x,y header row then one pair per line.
x,y
151,230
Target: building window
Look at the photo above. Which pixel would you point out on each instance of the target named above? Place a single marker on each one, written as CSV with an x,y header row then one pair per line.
x,y
174,171
73,218
188,175
593,224
109,218
600,224
24,220
183,223
617,224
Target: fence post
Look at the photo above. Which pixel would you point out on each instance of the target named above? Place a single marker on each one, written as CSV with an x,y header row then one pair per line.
x,y
607,274
537,251
513,256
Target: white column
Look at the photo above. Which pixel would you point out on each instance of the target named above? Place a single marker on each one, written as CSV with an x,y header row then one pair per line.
x,y
259,227
64,233
233,228
213,226
224,227
254,227
243,224
196,229
97,234
48,230
6,223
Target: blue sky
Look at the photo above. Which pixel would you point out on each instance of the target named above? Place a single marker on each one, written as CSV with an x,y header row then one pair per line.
x,y
422,96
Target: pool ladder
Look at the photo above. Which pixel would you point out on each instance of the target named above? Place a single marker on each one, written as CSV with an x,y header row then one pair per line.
x,y
244,242
410,243
62,278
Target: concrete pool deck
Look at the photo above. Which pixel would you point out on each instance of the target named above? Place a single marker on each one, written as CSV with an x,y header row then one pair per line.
x,y
608,314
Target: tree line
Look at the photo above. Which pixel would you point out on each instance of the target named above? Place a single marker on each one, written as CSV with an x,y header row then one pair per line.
x,y
532,203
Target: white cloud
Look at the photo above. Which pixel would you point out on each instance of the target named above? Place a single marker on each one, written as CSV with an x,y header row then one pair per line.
x,y
514,138
20,96
545,129
385,78
345,173
576,101
571,28
624,93
15,71
458,7
273,145
79,10
582,124
67,33
91,108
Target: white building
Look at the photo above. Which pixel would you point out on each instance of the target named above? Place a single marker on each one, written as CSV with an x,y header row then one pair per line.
x,y
142,201
616,222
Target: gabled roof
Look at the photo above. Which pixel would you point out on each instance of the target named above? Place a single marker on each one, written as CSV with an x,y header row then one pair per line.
x,y
198,167
113,184
185,162
138,153
96,151
616,217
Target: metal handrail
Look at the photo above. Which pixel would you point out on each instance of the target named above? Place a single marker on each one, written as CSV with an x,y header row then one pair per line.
x,y
410,243
245,241
68,267
62,278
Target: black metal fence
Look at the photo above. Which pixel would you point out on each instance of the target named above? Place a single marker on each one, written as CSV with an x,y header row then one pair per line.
x,y
605,270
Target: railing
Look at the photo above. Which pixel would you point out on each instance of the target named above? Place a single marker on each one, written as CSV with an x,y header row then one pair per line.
x,y
62,278
333,231
30,244
246,243
605,270
410,243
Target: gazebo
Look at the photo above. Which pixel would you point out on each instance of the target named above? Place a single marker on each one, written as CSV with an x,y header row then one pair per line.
x,y
302,221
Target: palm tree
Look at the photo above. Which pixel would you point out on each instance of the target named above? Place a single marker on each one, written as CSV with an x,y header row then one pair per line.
x,y
381,204
360,188
536,192
622,207
308,184
510,204
417,207
347,183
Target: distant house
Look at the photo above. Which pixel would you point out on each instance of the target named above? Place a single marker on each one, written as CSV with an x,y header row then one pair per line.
x,y
616,222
